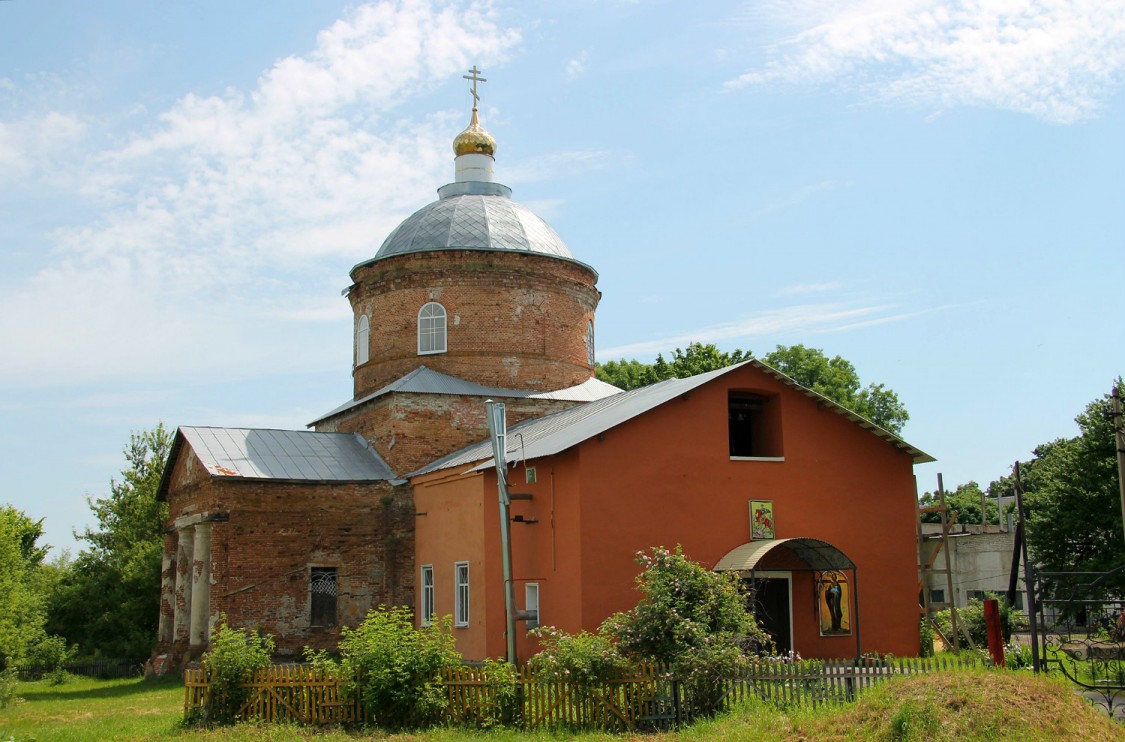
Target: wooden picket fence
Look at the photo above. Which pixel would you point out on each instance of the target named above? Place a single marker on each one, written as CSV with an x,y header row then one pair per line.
x,y
648,697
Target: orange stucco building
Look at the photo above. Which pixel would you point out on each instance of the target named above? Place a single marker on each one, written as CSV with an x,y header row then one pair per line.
x,y
654,467
391,498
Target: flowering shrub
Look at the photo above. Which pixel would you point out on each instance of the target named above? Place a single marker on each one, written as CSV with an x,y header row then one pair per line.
x,y
583,658
691,619
395,669
685,609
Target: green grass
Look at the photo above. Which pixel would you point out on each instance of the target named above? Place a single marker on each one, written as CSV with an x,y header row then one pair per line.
x,y
964,705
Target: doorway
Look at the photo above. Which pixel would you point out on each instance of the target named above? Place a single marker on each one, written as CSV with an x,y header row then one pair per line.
x,y
770,598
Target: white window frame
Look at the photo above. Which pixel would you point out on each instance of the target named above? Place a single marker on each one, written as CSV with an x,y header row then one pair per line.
x,y
531,603
362,340
461,594
426,601
432,329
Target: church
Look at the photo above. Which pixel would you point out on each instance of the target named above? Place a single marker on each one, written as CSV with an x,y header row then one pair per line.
x,y
391,498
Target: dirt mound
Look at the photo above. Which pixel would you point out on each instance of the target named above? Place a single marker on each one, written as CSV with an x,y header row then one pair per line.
x,y
993,705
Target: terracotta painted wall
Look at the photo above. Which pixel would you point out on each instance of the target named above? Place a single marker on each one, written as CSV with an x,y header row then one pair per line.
x,y
666,478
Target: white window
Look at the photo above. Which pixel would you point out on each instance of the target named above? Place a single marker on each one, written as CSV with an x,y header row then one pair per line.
x,y
531,604
427,612
461,596
431,329
362,341
590,342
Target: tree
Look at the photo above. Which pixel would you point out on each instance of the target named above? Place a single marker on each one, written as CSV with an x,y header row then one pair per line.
x,y
108,602
22,597
965,502
835,378
1073,502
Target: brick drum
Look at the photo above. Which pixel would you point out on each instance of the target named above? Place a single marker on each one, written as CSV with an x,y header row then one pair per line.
x,y
515,320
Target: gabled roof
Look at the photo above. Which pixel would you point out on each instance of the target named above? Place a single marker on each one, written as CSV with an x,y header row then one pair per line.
x,y
289,455
423,380
557,432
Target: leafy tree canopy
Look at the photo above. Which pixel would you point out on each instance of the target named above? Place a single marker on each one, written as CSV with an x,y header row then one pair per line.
x,y
22,597
835,378
965,502
108,600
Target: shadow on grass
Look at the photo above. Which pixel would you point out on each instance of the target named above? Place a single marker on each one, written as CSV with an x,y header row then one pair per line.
x,y
80,689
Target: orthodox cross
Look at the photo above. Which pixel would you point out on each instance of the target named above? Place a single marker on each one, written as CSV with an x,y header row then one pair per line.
x,y
474,76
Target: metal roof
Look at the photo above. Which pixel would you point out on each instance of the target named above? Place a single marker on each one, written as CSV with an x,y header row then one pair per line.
x,y
818,554
297,455
424,380
557,432
489,221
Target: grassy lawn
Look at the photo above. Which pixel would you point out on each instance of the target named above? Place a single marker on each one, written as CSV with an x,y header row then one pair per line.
x,y
963,705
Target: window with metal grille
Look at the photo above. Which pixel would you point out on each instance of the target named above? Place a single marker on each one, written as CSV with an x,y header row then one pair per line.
x,y
323,588
427,602
937,596
461,597
431,329
590,342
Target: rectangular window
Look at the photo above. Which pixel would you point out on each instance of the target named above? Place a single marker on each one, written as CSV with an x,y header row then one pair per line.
x,y
937,596
324,592
461,596
754,425
531,604
427,602
977,595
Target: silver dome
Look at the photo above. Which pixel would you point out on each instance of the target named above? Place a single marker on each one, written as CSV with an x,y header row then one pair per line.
x,y
475,221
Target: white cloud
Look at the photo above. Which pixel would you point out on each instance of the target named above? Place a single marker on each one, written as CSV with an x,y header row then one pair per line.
x,y
803,318
30,144
213,221
576,66
554,164
1055,59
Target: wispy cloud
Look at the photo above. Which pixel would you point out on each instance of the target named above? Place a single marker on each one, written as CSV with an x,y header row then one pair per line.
x,y
802,318
554,164
1053,59
576,66
212,220
809,288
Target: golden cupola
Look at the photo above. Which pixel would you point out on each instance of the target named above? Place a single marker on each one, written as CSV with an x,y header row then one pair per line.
x,y
474,140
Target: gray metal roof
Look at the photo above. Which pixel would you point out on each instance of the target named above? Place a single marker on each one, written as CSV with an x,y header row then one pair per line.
x,y
557,432
423,380
490,221
286,454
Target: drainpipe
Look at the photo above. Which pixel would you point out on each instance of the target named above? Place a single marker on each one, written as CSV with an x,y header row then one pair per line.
x,y
498,431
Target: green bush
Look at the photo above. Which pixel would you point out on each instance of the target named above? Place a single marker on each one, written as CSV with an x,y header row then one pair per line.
x,y
8,679
926,636
691,619
395,669
972,617
234,656
583,658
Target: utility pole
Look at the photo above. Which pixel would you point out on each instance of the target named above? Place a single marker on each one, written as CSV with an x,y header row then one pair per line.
x,y
1119,430
498,430
948,566
1028,570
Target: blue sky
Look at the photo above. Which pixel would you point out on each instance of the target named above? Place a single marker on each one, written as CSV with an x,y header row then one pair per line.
x,y
933,190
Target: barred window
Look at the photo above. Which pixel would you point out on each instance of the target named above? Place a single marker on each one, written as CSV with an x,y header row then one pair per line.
x,y
323,588
590,358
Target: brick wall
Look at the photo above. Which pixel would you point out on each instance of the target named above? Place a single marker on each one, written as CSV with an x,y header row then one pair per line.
x,y
514,320
275,531
411,430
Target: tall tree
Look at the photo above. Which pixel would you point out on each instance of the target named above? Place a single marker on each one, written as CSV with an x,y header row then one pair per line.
x,y
835,378
22,598
1073,501
108,601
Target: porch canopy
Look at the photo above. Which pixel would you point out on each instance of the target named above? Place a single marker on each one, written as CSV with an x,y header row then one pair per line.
x,y
820,556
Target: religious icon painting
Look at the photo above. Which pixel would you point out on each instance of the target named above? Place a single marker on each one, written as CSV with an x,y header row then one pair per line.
x,y
834,603
761,519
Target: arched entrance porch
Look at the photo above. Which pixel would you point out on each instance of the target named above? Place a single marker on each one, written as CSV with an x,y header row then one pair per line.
x,y
772,560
